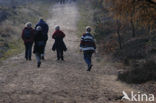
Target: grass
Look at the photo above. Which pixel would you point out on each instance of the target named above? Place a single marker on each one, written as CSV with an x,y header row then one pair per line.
x,y
15,47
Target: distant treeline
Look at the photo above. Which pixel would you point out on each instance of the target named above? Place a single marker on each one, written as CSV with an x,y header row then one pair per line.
x,y
21,2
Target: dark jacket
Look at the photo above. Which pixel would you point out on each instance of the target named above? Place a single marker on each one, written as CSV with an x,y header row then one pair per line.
x,y
45,28
39,42
87,42
31,38
59,43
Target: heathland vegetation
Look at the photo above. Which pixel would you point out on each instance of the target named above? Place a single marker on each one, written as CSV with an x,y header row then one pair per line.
x,y
13,15
126,31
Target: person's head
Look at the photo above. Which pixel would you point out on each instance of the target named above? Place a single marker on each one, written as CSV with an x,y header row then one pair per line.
x,y
57,27
88,29
28,25
41,18
38,28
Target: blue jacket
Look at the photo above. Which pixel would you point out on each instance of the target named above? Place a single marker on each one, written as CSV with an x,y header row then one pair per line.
x,y
45,28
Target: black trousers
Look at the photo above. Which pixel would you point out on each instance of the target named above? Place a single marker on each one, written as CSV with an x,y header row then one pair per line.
x,y
28,50
60,54
44,48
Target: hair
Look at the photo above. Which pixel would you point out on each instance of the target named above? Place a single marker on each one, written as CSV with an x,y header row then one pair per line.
x,y
41,18
38,28
28,24
88,29
57,27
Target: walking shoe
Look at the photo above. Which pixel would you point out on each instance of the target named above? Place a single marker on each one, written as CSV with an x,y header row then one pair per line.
x,y
38,64
58,58
42,57
62,59
90,67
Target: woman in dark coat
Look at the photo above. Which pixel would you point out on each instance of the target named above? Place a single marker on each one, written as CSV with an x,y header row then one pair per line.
x,y
59,44
39,45
28,37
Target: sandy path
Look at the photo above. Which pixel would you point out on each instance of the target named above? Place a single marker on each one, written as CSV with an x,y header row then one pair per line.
x,y
59,82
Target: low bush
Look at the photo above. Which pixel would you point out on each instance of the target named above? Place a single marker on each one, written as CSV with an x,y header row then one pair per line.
x,y
141,74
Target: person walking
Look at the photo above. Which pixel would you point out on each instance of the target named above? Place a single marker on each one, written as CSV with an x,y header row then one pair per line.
x,y
45,29
28,37
59,44
39,44
88,47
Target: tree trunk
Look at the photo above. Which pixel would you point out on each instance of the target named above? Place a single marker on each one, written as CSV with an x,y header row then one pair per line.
x,y
118,33
149,33
100,4
132,22
133,29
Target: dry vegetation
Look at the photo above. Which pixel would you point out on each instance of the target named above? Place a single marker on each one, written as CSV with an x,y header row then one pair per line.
x,y
13,16
126,30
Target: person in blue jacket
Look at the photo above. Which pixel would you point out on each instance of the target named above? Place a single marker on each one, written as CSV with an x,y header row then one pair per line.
x,y
45,29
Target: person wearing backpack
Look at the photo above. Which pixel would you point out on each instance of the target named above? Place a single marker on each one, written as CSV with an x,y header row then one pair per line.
x,y
59,44
39,44
88,47
28,37
45,29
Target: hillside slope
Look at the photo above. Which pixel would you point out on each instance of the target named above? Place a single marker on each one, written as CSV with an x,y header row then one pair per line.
x,y
12,21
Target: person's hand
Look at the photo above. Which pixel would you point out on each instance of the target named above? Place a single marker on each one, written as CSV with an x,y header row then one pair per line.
x,y
95,52
80,50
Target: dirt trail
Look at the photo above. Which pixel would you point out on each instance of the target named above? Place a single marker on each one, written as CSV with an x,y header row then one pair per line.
x,y
56,81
